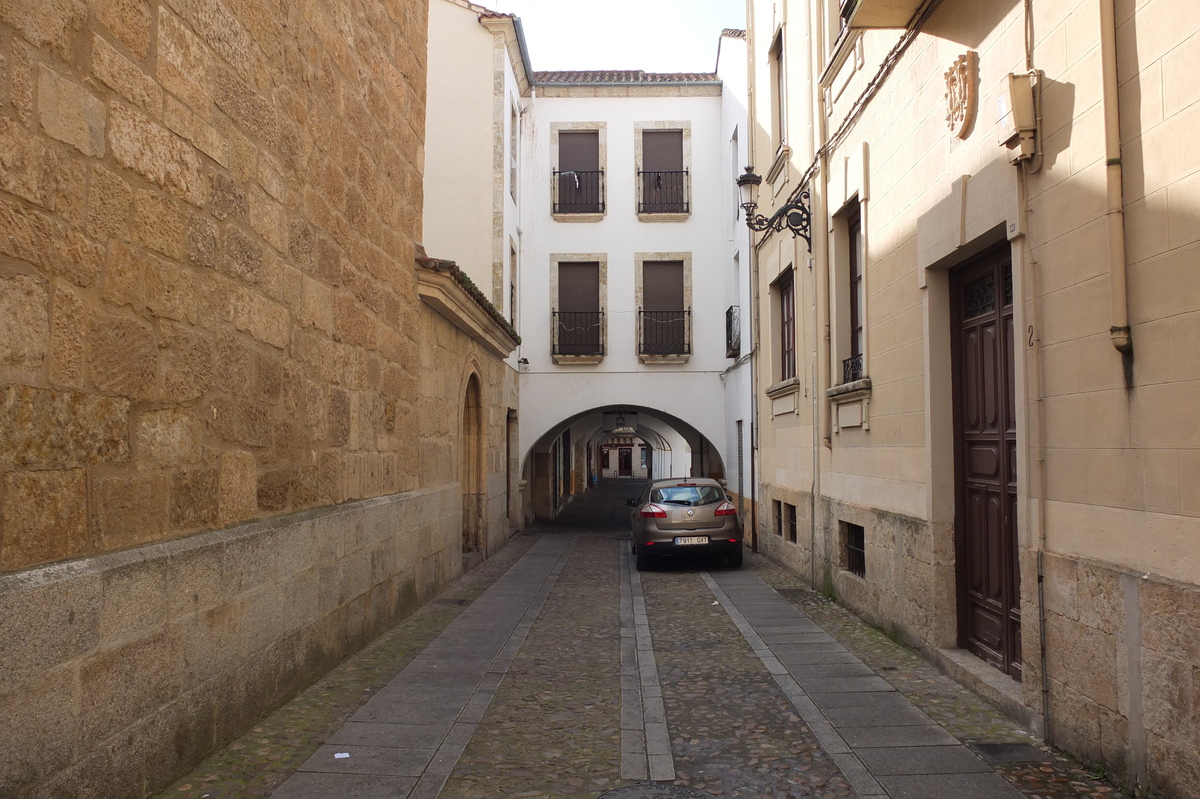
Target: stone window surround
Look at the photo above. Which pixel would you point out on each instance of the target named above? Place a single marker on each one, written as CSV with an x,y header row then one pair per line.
x,y
602,147
640,258
601,258
778,63
681,125
781,385
850,403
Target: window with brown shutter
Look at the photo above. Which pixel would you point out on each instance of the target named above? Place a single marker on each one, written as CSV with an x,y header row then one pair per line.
x,y
579,179
578,321
663,177
664,317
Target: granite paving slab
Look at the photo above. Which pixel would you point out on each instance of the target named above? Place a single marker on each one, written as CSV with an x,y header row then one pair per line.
x,y
915,760
344,786
879,716
383,734
950,786
908,735
392,761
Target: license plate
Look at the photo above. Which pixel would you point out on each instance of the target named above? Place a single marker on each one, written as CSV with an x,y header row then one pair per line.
x,y
685,540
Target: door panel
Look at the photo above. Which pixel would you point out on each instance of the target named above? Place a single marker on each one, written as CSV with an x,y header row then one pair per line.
x,y
625,462
985,445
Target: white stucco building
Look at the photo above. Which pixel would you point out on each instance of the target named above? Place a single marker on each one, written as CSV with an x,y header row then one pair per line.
x,y
629,267
597,211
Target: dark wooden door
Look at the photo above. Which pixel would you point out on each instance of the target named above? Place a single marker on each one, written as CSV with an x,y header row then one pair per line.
x,y
625,462
989,577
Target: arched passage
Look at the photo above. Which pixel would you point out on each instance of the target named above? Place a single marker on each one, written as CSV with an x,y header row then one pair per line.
x,y
570,455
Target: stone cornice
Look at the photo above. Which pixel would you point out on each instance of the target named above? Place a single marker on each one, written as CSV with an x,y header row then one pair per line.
x,y
440,285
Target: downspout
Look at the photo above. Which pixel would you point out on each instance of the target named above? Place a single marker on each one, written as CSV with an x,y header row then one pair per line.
x,y
1122,339
821,434
1035,345
822,422
1039,449
752,252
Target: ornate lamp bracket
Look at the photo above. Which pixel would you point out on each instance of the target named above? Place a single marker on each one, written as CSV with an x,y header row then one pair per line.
x,y
796,214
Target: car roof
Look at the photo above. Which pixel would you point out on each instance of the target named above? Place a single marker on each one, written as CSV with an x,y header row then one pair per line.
x,y
685,481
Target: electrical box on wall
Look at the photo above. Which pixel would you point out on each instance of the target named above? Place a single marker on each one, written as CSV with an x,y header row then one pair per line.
x,y
1017,115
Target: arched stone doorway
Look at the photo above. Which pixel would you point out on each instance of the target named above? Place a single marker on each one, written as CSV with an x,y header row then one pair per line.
x,y
471,474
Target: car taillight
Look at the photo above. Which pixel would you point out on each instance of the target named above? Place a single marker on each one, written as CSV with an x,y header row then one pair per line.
x,y
725,509
652,512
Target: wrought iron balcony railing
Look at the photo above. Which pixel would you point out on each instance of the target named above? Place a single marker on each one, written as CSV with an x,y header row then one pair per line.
x,y
579,192
852,369
577,333
665,332
664,192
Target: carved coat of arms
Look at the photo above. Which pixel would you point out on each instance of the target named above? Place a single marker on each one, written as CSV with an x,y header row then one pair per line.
x,y
962,94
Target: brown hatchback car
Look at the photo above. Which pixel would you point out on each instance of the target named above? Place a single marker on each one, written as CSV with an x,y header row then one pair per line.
x,y
684,515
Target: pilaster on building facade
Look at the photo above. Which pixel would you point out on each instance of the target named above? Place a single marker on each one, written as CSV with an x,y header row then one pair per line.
x,y
246,424
975,390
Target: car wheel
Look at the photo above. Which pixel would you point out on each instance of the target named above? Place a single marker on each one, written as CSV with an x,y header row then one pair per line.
x,y
734,560
643,559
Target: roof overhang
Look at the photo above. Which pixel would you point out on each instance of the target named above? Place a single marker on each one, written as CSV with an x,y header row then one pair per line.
x,y
883,13
509,26
440,290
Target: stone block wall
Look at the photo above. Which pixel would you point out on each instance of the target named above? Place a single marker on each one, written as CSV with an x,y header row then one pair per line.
x,y
229,428
208,211
1122,652
119,672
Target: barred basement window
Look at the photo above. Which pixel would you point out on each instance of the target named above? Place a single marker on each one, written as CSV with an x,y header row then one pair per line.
x,y
791,523
777,506
855,549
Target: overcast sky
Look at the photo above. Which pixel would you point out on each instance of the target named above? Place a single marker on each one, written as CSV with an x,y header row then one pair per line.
x,y
654,35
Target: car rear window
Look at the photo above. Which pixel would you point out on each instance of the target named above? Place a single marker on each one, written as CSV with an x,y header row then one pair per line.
x,y
687,495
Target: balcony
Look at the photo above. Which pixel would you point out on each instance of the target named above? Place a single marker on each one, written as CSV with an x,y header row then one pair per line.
x,y
664,336
578,333
733,331
664,192
579,192
852,369
878,13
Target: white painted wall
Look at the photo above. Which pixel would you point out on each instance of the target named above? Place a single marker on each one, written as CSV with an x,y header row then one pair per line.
x,y
471,215
459,132
694,391
732,66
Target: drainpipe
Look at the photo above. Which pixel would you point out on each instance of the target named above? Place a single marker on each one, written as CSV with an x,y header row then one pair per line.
x,y
1039,447
1117,272
752,252
822,421
1034,343
820,316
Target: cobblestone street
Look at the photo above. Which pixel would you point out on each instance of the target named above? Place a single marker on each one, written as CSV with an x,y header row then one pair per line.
x,y
555,669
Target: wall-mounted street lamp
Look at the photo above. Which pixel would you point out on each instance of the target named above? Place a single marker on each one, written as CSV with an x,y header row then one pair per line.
x,y
796,214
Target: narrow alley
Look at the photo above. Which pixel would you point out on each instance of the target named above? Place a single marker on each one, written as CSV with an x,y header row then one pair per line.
x,y
556,669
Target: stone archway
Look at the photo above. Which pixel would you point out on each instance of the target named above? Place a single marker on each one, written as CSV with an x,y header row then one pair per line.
x,y
471,473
